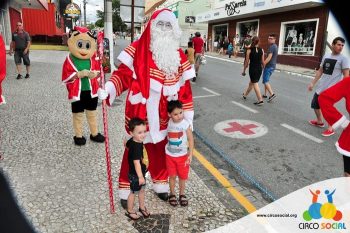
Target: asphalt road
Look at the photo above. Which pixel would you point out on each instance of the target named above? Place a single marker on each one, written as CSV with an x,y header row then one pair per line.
x,y
281,160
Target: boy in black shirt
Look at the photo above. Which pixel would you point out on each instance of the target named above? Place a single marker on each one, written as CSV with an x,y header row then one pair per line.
x,y
137,169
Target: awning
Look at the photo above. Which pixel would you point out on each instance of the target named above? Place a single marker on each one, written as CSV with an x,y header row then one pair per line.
x,y
32,4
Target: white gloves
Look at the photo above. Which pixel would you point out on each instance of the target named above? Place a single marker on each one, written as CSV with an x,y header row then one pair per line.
x,y
83,73
102,94
345,124
93,74
87,73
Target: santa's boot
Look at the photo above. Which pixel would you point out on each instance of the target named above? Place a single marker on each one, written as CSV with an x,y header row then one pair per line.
x,y
92,121
78,120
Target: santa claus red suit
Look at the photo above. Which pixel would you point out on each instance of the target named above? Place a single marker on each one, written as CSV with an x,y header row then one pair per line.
x,y
2,67
155,71
336,119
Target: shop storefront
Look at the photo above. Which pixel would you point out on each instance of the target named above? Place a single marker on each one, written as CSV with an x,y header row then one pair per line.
x,y
11,13
300,26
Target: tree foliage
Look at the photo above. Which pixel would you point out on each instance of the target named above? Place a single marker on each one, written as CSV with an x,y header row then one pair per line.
x,y
117,22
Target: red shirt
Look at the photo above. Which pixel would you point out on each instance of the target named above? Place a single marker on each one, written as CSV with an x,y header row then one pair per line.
x,y
2,60
198,44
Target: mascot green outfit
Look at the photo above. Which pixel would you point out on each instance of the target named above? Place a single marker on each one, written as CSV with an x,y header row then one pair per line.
x,y
80,74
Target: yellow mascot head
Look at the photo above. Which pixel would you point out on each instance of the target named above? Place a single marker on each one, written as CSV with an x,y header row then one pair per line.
x,y
82,43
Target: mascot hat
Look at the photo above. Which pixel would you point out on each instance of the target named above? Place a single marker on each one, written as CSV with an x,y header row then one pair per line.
x,y
141,59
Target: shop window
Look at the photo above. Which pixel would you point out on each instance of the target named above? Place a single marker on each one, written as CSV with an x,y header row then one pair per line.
x,y
298,38
220,33
246,30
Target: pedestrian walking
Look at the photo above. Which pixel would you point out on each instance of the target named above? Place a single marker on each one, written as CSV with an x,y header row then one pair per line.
x,y
179,150
190,38
190,56
210,44
255,59
137,168
333,68
336,119
230,50
237,44
198,45
2,70
20,46
246,45
270,66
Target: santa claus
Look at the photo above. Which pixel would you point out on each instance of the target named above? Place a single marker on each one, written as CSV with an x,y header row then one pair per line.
x,y
336,119
154,70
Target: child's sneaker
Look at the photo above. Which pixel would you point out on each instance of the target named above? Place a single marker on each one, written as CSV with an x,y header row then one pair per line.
x,y
328,132
315,123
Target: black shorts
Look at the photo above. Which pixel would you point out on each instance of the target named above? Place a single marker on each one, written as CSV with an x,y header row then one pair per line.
x,y
314,102
85,103
135,187
19,56
346,164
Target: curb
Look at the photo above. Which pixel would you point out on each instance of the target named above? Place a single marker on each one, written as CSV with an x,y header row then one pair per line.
x,y
278,70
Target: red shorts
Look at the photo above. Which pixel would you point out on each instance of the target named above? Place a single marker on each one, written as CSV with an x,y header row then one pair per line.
x,y
177,166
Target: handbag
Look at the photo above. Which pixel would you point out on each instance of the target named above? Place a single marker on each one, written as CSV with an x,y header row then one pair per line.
x,y
203,60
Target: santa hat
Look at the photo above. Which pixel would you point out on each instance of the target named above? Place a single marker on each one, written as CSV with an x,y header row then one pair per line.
x,y
81,29
141,58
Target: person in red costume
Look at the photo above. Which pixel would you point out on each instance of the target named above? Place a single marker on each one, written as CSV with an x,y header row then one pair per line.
x,y
155,70
327,99
2,67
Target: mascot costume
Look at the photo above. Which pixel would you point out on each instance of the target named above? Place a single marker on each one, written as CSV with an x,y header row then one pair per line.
x,y
154,70
81,75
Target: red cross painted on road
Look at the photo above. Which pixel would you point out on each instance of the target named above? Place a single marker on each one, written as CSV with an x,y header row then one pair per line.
x,y
245,129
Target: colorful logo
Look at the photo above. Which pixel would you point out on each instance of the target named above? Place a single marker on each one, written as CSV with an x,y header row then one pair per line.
x,y
327,210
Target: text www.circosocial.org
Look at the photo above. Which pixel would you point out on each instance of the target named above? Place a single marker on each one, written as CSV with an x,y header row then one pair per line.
x,y
277,215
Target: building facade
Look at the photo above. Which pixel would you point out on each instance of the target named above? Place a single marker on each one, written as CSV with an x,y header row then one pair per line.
x,y
44,25
300,26
186,11
11,13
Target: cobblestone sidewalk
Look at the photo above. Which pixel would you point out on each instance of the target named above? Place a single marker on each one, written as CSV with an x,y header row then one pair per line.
x,y
62,187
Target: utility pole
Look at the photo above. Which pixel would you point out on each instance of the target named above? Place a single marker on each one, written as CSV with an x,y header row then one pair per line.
x,y
108,29
84,5
132,19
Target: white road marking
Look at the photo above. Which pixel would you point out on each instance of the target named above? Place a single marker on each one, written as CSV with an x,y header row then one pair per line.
x,y
208,90
203,96
245,107
223,59
302,133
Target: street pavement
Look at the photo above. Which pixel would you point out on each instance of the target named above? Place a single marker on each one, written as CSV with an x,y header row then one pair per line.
x,y
291,154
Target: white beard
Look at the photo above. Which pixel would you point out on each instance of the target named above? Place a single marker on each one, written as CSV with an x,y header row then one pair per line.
x,y
164,47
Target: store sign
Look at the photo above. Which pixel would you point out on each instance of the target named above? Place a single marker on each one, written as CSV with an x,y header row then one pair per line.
x,y
190,19
232,7
72,10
